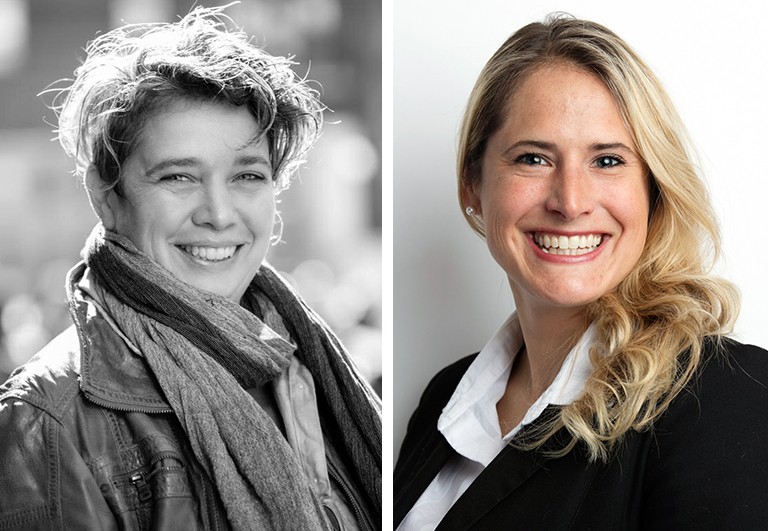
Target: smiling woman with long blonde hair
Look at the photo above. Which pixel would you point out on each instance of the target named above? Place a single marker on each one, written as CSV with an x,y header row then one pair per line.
x,y
611,399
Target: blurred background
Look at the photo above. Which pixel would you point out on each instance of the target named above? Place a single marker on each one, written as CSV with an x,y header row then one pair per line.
x,y
331,245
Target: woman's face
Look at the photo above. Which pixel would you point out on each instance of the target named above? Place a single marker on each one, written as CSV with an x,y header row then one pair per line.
x,y
198,196
563,194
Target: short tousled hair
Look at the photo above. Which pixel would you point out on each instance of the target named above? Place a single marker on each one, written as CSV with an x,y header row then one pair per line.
x,y
131,73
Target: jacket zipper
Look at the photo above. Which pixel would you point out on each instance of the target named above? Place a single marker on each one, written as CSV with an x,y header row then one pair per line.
x,y
127,409
355,505
139,479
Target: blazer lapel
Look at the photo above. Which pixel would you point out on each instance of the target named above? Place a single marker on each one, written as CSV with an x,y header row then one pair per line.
x,y
506,473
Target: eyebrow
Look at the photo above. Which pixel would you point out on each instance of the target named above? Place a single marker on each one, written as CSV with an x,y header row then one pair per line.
x,y
610,145
190,162
540,144
533,143
248,160
185,162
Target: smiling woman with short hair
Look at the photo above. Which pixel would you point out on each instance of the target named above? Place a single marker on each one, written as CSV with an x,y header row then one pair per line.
x,y
611,399
196,389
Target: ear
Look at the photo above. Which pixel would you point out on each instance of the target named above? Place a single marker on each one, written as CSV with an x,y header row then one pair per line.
x,y
470,195
99,197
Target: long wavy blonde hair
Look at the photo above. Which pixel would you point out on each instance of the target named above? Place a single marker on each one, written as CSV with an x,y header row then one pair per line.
x,y
652,326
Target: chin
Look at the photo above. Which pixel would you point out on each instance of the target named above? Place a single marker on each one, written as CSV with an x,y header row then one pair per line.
x,y
570,296
229,291
575,302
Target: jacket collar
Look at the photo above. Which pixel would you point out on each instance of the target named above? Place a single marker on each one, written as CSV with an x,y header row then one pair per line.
x,y
112,375
509,471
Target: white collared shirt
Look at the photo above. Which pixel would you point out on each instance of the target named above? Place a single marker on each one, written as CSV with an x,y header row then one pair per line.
x,y
470,424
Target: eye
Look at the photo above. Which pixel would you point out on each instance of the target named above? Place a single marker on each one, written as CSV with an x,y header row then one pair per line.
x,y
251,177
531,159
608,161
176,177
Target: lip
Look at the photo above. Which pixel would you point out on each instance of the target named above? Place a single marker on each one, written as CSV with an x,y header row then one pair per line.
x,y
560,232
215,245
566,259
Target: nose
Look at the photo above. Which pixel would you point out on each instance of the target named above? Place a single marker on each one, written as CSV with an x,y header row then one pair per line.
x,y
571,193
216,208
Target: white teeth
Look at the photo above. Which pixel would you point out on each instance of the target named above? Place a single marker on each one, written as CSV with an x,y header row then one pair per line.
x,y
568,252
212,254
567,245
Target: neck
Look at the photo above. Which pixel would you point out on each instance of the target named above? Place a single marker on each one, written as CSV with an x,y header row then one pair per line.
x,y
549,334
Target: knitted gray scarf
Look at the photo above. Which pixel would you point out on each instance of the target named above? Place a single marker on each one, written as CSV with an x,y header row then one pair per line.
x,y
205,349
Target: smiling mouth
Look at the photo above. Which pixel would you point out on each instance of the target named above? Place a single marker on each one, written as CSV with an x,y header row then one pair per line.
x,y
209,254
567,245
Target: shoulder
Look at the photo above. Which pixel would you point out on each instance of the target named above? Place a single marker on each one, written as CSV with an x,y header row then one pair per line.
x,y
42,439
423,442
707,456
738,357
731,375
49,380
33,402
729,391
451,374
423,422
441,387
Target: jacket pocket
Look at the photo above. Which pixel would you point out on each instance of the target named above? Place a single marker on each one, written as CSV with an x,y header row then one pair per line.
x,y
147,486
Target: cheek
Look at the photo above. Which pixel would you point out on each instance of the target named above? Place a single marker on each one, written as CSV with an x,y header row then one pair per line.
x,y
504,207
260,211
637,204
509,201
269,207
631,209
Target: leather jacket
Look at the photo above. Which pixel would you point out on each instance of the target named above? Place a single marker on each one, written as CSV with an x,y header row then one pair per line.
x,y
88,441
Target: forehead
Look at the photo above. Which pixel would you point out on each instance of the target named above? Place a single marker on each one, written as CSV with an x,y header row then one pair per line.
x,y
555,95
194,125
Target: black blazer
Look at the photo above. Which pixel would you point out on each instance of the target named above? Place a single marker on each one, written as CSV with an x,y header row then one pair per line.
x,y
704,465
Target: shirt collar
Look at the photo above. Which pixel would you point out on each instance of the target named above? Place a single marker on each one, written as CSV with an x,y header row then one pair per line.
x,y
469,421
